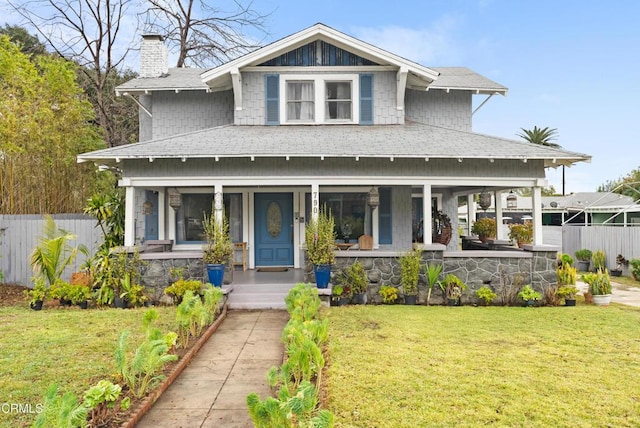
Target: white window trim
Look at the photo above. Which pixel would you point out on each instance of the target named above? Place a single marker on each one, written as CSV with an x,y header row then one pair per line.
x,y
319,97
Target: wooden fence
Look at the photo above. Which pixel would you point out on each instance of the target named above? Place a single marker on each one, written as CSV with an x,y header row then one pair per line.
x,y
613,240
19,235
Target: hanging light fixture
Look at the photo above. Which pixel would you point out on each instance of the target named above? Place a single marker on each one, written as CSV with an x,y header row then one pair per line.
x,y
373,198
484,201
147,207
175,199
512,201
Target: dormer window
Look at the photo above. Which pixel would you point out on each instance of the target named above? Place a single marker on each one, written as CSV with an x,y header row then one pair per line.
x,y
318,99
300,101
338,101
294,99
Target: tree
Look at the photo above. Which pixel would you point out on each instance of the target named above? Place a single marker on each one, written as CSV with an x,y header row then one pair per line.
x,y
86,32
44,124
204,35
628,185
540,136
29,44
543,137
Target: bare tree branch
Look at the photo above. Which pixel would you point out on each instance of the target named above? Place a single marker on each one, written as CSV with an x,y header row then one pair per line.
x,y
204,35
86,32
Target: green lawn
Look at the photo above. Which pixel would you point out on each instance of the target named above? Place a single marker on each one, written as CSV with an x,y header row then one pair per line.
x,y
402,366
71,347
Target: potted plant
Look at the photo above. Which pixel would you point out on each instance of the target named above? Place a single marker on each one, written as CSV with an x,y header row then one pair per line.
x,y
529,295
598,260
521,233
219,247
620,262
485,228
131,293
79,294
355,280
388,293
486,294
584,259
452,286
320,238
568,293
635,268
37,294
599,286
178,288
432,273
409,275
341,295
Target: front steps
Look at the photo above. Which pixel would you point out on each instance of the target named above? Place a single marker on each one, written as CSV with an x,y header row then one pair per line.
x,y
259,296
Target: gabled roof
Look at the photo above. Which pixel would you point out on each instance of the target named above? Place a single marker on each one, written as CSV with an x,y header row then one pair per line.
x,y
321,32
412,140
584,200
463,78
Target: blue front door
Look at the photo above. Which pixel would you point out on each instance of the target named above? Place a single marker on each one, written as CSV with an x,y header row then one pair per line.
x,y
274,229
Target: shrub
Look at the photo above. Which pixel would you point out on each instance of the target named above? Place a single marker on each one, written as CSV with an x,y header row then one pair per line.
x,y
320,237
388,293
599,282
410,271
584,255
635,268
566,274
598,260
521,233
177,290
527,293
486,294
354,278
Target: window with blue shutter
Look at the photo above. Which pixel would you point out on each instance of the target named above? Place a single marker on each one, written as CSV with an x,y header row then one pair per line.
x,y
272,97
366,99
384,216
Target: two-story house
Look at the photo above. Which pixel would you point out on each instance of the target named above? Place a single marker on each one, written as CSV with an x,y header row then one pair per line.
x,y
316,118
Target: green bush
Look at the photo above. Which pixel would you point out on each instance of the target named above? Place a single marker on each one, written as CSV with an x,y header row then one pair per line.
x,y
598,260
410,271
486,294
584,255
177,290
388,293
354,278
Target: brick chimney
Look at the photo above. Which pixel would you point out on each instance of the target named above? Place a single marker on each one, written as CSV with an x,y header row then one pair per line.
x,y
153,56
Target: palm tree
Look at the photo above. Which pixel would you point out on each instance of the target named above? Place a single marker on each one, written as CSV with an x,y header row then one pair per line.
x,y
540,136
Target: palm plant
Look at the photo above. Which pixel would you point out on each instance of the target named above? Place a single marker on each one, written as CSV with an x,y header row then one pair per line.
x,y
540,136
53,252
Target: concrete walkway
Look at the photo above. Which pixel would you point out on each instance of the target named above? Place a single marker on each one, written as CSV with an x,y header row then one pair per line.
x,y
212,390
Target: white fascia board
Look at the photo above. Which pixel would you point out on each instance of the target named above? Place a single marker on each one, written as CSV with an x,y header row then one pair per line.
x,y
208,181
327,34
475,90
143,91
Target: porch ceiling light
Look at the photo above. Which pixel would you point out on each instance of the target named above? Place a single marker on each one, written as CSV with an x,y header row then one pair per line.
x,y
484,201
373,198
512,201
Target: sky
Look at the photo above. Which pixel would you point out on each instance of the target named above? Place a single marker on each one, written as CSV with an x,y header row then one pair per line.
x,y
573,65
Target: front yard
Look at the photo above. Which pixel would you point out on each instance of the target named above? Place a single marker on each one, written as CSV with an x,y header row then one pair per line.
x,y
71,347
403,366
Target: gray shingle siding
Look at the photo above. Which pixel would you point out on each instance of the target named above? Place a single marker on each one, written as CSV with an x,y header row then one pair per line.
x,y
314,167
437,107
186,111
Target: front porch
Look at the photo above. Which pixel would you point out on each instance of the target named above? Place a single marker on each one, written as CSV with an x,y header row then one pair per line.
x,y
266,288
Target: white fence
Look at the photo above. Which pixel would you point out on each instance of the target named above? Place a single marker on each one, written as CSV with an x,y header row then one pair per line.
x,y
613,240
19,235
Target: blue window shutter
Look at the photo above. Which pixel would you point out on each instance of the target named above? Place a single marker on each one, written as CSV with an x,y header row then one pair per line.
x,y
366,99
385,225
272,97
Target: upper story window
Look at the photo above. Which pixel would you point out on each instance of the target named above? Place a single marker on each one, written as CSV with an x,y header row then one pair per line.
x,y
300,101
338,100
319,98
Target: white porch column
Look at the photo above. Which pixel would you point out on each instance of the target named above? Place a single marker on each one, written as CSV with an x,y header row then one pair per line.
x,y
315,201
497,196
218,202
375,227
536,202
427,232
162,209
129,216
471,212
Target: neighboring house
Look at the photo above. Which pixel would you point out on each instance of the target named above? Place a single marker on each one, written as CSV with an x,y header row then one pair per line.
x,y
582,208
316,118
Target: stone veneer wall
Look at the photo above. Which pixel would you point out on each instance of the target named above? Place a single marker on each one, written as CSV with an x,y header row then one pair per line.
x,y
500,270
156,274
